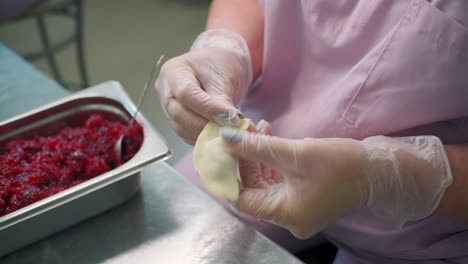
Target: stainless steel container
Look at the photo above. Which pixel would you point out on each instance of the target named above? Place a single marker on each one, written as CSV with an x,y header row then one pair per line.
x,y
89,198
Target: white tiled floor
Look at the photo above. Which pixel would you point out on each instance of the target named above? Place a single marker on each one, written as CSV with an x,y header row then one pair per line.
x,y
122,39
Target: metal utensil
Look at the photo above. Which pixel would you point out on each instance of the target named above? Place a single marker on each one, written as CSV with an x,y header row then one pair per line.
x,y
118,143
147,84
66,208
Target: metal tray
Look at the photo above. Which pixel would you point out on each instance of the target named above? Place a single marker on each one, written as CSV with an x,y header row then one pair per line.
x,y
89,198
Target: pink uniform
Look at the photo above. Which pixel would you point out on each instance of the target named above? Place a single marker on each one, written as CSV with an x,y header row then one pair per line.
x,y
349,68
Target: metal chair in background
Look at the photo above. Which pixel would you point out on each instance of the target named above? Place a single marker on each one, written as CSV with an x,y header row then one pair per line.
x,y
68,8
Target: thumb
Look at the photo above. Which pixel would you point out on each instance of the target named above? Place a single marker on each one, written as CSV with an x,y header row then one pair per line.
x,y
178,81
265,204
257,147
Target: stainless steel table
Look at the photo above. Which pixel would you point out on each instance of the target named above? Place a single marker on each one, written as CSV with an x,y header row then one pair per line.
x,y
168,221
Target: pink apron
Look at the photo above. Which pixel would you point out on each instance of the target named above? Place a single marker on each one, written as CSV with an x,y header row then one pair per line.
x,y
349,68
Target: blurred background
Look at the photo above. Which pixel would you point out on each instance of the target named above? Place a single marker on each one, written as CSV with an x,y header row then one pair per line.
x,y
121,40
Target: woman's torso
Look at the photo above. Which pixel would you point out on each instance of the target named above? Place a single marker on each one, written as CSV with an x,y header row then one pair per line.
x,y
361,68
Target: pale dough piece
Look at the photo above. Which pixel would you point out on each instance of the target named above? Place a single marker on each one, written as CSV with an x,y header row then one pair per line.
x,y
217,167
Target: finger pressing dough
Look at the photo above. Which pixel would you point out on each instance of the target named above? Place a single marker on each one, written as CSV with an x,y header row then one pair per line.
x,y
217,167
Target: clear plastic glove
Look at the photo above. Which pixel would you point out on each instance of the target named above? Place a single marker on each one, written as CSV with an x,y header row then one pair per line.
x,y
304,185
205,84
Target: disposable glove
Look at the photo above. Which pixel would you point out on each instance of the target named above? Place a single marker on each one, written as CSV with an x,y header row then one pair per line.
x,y
304,185
205,84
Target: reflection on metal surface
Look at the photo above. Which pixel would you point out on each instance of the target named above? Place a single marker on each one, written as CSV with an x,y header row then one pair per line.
x,y
167,221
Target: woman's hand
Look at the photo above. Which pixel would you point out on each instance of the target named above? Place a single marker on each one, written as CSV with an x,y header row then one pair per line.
x,y
206,83
304,185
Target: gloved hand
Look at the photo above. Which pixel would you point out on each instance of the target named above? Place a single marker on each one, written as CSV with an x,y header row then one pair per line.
x,y
207,83
304,185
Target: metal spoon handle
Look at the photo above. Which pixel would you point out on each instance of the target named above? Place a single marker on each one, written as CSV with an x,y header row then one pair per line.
x,y
147,85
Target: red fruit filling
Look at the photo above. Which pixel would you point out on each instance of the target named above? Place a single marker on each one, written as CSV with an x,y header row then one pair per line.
x,y
31,170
